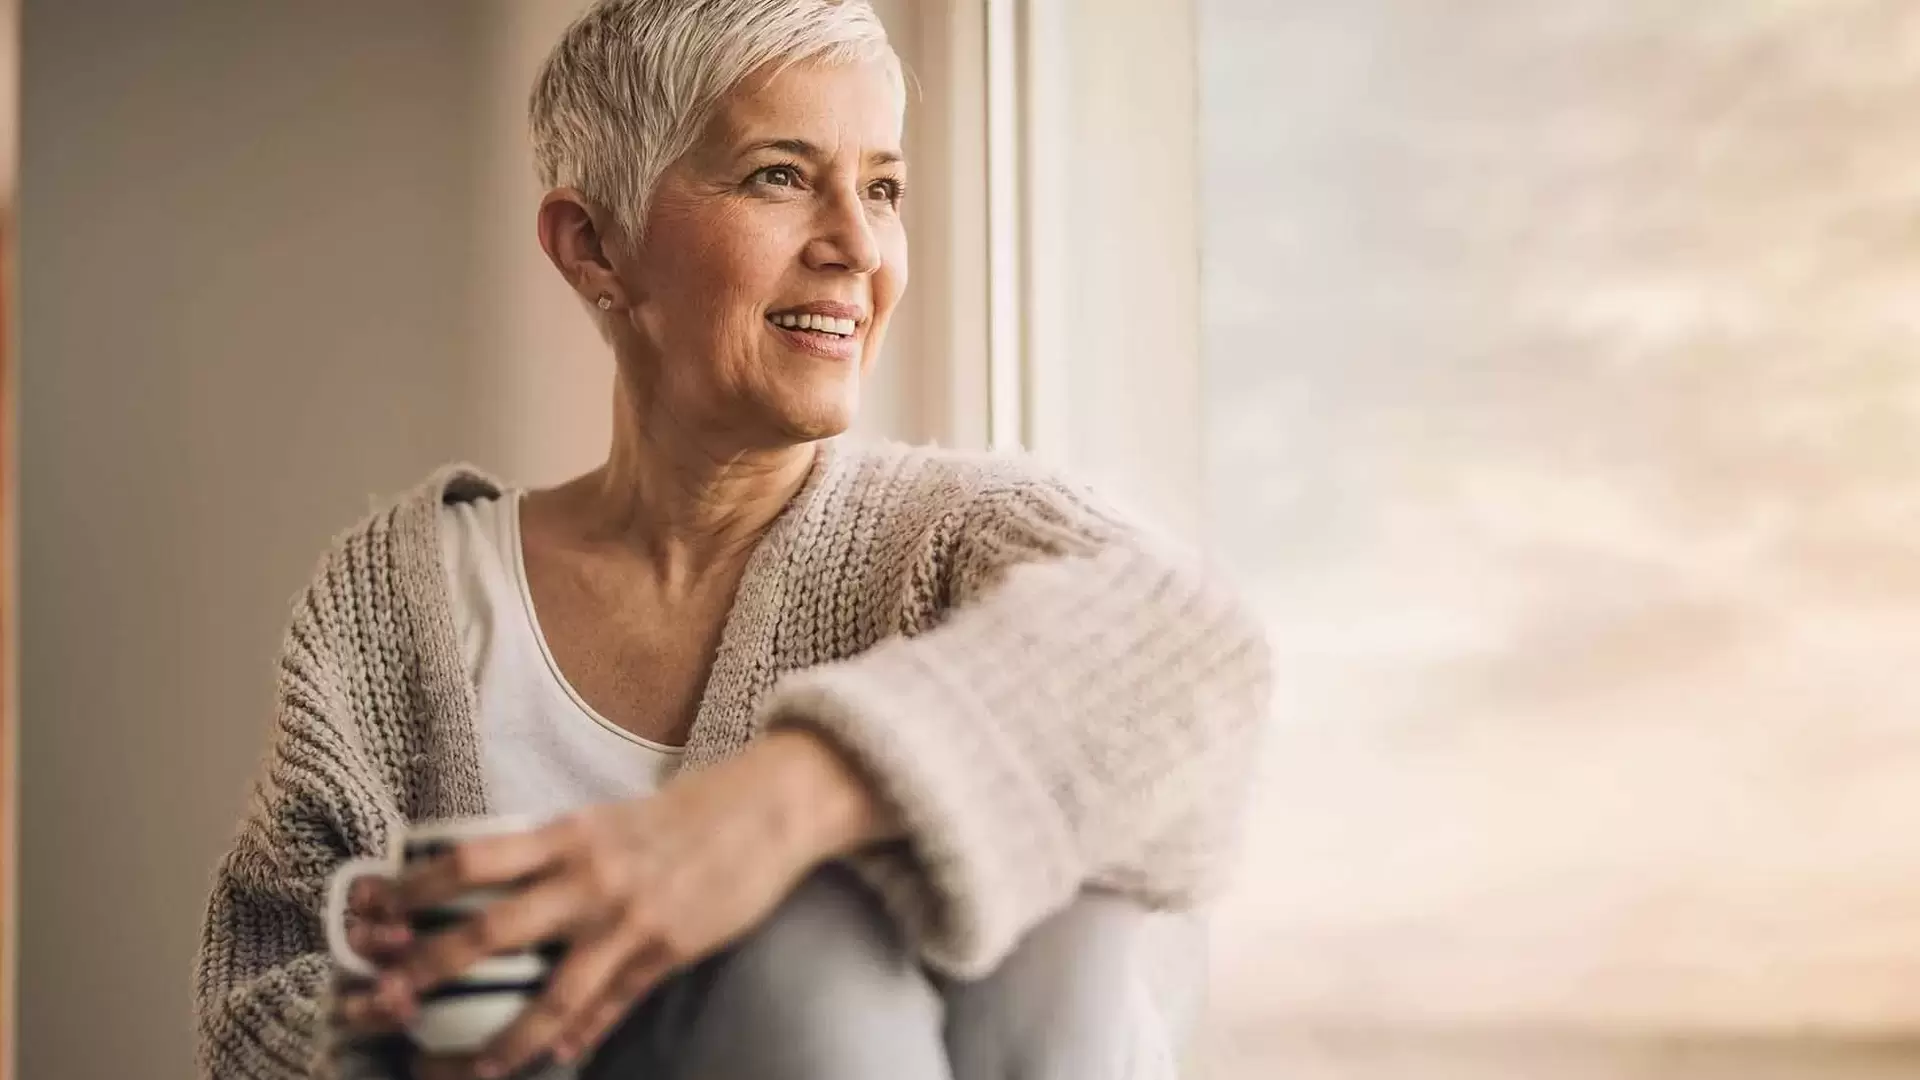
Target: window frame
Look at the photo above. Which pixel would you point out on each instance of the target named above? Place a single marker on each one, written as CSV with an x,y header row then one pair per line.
x,y
1091,352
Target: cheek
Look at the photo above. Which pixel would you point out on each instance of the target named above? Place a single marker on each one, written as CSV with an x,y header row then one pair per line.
x,y
710,270
896,270
889,284
890,280
747,264
723,281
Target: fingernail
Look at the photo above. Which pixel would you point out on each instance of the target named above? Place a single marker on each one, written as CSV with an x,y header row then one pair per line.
x,y
489,1070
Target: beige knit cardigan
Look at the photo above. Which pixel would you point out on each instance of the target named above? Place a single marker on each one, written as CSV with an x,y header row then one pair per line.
x,y
1049,699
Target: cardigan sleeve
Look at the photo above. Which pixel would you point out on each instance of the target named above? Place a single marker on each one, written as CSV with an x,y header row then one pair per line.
x,y
263,978
1084,715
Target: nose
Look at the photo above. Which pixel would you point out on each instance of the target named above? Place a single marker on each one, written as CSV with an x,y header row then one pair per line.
x,y
844,241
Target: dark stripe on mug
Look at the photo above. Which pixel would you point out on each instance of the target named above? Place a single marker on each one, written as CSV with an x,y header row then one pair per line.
x,y
479,989
434,920
416,850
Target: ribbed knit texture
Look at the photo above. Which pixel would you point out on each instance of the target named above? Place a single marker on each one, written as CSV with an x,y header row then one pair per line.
x,y
1050,700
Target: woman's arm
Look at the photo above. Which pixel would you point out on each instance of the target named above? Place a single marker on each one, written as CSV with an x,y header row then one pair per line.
x,y
1085,714
262,988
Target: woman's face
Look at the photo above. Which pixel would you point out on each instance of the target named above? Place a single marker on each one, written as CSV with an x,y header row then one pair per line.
x,y
772,257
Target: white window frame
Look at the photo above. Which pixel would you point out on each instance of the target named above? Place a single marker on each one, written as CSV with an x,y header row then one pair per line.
x,y
1062,312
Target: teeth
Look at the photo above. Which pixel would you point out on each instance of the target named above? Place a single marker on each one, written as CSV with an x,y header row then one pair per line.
x,y
822,324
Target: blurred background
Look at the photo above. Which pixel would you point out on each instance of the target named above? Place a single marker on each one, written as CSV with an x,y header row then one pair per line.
x,y
1545,371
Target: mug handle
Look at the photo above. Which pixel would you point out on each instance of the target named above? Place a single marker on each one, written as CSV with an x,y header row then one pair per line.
x,y
335,917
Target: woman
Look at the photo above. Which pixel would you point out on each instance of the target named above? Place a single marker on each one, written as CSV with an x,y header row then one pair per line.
x,y
860,761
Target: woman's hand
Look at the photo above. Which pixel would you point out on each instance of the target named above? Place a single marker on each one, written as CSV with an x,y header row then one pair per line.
x,y
377,931
639,889
364,1008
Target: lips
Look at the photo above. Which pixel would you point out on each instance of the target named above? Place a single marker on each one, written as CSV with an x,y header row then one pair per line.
x,y
821,307
819,324
797,333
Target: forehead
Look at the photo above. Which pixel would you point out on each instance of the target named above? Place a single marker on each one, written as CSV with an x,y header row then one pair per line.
x,y
833,105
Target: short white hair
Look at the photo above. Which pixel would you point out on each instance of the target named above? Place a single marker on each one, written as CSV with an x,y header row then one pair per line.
x,y
632,83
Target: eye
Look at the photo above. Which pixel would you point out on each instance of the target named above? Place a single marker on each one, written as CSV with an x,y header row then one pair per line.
x,y
778,176
889,190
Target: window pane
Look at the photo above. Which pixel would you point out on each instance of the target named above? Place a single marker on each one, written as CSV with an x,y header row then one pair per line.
x,y
1562,411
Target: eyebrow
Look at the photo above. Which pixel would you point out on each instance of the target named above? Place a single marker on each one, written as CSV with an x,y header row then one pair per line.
x,y
805,149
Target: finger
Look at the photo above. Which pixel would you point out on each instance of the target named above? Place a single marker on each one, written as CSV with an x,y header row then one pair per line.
x,y
575,987
360,1013
628,989
384,943
514,922
396,999
375,898
488,860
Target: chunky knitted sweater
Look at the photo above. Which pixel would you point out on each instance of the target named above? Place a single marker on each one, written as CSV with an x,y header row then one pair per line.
x,y
1049,699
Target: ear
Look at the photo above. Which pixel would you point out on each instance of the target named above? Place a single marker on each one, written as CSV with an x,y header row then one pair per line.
x,y
577,236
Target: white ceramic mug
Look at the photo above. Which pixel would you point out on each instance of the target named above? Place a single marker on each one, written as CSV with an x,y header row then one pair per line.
x,y
464,1014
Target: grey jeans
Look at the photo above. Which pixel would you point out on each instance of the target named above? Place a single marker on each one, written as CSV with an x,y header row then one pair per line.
x,y
823,990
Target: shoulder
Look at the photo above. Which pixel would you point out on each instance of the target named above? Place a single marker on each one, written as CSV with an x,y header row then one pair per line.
x,y
947,477
369,654
980,492
387,556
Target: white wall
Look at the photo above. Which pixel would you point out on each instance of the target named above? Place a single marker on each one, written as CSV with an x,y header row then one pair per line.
x,y
244,314
279,262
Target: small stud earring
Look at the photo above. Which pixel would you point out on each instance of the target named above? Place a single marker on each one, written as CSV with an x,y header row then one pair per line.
x,y
605,302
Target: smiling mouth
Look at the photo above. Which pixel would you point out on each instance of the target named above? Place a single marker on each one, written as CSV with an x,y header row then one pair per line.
x,y
824,325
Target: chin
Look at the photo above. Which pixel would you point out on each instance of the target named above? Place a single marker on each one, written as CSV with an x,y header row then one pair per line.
x,y
820,415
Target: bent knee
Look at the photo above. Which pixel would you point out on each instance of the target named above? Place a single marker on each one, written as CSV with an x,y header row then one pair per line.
x,y
1070,1001
821,989
826,953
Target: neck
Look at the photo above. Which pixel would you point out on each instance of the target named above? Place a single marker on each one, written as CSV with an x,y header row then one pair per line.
x,y
686,501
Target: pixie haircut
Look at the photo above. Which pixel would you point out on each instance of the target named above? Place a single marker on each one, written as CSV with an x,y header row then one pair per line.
x,y
632,83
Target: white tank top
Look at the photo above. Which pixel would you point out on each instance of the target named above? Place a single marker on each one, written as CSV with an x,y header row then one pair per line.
x,y
544,751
